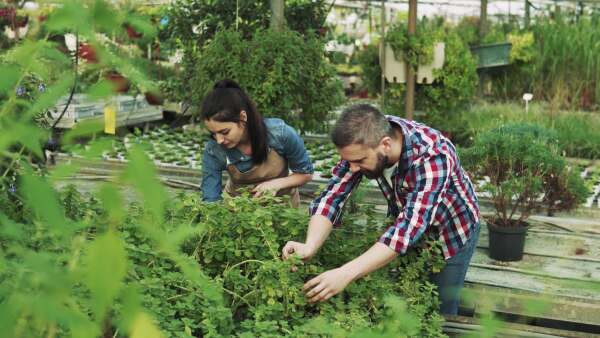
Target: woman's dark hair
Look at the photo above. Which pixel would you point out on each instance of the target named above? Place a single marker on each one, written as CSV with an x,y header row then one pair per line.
x,y
224,104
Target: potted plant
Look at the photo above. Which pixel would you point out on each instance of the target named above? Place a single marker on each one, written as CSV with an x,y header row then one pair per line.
x,y
520,164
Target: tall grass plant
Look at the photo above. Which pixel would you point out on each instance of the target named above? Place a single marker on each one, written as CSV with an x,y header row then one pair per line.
x,y
577,131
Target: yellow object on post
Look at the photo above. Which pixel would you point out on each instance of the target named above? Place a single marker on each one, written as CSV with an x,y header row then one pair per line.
x,y
110,119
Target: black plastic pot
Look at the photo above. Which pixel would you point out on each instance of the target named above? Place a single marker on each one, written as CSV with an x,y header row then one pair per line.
x,y
507,243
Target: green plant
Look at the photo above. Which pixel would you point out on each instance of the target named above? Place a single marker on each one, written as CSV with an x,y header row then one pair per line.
x,y
285,74
575,130
559,67
452,90
194,22
524,172
241,247
64,262
368,59
414,49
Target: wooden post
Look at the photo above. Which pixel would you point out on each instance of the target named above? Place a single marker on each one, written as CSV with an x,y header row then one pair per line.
x,y
277,15
409,102
382,51
483,19
370,18
527,13
579,9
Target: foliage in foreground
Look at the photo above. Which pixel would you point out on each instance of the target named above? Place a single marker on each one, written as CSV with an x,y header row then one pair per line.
x,y
108,271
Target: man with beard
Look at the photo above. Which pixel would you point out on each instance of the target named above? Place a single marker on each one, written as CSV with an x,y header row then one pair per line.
x,y
427,191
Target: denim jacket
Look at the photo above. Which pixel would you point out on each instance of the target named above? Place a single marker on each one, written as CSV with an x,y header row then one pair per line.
x,y
281,138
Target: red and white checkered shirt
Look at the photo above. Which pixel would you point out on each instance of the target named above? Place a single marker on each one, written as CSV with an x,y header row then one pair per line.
x,y
431,192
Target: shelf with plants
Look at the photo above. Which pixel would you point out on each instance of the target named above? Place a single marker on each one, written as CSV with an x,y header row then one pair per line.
x,y
165,146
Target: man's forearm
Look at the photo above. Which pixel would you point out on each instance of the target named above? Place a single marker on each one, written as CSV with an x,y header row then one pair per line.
x,y
374,258
319,228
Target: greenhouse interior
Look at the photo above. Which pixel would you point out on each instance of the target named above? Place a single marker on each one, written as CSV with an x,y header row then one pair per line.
x,y
299,168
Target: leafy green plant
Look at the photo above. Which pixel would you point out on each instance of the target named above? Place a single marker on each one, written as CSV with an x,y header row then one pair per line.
x,y
241,248
285,74
452,90
575,130
195,22
524,172
414,49
368,59
559,67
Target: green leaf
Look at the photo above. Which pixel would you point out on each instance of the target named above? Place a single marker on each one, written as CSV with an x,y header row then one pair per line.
x,y
112,202
72,16
11,230
142,175
97,147
142,25
101,90
131,300
24,54
176,238
52,94
105,269
52,54
145,327
43,200
24,133
62,171
84,128
105,17
9,78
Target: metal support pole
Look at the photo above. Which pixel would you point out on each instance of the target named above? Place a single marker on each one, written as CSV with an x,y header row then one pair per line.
x,y
483,19
382,51
527,13
409,102
278,18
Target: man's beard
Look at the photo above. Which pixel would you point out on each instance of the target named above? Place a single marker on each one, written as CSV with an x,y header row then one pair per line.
x,y
382,163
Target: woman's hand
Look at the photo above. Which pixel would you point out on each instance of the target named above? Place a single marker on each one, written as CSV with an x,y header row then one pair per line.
x,y
271,186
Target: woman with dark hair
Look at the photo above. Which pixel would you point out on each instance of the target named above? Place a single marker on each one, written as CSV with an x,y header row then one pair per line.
x,y
255,152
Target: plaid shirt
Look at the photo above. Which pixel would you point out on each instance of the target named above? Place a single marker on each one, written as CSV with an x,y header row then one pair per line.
x,y
431,191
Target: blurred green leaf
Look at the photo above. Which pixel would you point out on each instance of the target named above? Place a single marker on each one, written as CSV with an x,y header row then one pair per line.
x,y
105,17
144,327
182,233
11,230
101,90
537,307
105,269
54,56
72,16
9,78
142,25
490,327
43,200
142,175
24,133
24,54
83,129
131,300
112,201
52,94
95,149
62,171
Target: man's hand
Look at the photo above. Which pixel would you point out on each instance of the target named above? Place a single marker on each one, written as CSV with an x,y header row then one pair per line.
x,y
302,250
327,284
